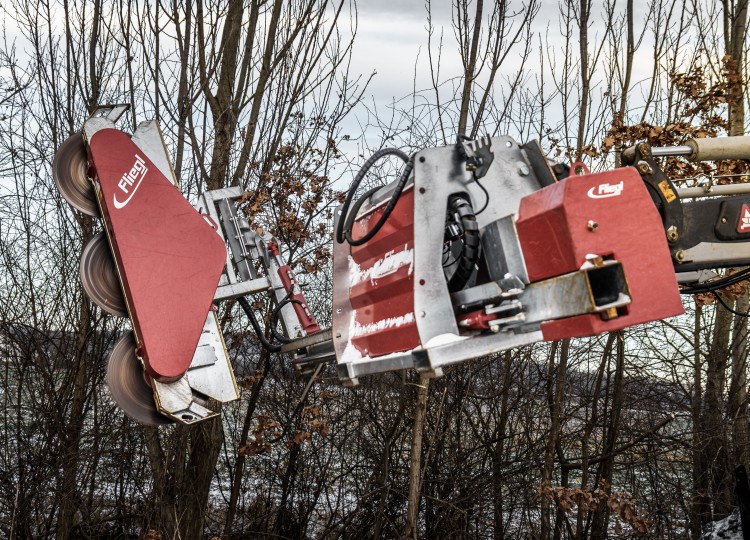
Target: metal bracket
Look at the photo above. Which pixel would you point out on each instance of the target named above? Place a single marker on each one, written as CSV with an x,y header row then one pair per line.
x,y
210,376
103,117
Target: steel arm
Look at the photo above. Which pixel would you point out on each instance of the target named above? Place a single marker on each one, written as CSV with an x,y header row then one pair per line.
x,y
706,226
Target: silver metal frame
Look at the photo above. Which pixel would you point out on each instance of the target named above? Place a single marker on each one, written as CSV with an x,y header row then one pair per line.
x,y
438,174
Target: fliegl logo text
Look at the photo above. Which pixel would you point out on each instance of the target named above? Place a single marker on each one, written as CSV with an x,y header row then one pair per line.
x,y
606,190
129,182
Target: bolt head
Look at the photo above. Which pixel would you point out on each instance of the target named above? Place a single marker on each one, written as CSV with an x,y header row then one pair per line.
x,y
644,168
672,234
592,225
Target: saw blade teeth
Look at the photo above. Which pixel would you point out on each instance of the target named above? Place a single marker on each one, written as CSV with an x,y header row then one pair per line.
x,y
128,385
69,169
99,276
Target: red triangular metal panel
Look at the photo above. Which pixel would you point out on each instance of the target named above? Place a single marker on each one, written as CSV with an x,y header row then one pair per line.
x,y
170,259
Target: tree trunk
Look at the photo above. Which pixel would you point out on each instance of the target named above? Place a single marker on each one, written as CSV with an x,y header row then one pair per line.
x,y
556,397
470,60
68,493
715,489
415,466
606,467
239,465
738,415
696,406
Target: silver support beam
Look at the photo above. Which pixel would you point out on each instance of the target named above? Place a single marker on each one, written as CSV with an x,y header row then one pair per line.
x,y
713,191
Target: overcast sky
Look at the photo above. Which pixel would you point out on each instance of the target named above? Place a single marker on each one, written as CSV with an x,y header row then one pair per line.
x,y
392,41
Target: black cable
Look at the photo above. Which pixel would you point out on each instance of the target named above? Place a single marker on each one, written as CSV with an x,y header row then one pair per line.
x,y
270,347
275,315
447,264
462,154
712,286
721,301
346,219
486,193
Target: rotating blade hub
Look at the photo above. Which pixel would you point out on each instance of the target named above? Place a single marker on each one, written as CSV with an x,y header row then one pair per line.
x,y
99,276
69,170
128,386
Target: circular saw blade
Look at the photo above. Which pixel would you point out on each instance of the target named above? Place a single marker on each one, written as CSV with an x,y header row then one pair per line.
x,y
128,385
99,276
69,171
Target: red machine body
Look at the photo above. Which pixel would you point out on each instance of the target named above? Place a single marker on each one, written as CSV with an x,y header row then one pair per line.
x,y
610,215
169,258
382,281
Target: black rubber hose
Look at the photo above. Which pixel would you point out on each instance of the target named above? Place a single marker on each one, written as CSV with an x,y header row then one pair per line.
x,y
270,347
346,220
712,286
275,316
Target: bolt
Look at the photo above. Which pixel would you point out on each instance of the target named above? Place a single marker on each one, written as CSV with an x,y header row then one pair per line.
x,y
523,169
592,225
338,334
644,168
338,310
422,314
422,190
679,255
672,234
422,159
596,260
723,220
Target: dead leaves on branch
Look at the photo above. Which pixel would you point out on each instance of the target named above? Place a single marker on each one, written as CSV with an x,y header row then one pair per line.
x,y
265,428
293,200
311,422
702,109
268,431
249,381
620,504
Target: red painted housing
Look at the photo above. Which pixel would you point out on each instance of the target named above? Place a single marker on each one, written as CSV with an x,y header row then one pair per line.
x,y
382,281
609,214
170,259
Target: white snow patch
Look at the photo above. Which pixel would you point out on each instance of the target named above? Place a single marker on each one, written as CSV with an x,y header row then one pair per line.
x,y
729,528
443,339
389,264
383,324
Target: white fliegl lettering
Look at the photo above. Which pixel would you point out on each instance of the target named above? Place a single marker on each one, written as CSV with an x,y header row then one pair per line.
x,y
130,181
606,190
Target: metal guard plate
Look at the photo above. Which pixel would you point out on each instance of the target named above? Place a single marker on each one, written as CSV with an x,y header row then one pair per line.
x,y
170,259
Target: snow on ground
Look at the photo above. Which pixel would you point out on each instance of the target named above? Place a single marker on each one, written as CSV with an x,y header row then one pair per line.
x,y
728,528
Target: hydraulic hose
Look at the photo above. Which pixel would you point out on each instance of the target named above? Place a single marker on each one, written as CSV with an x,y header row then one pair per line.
x,y
347,217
